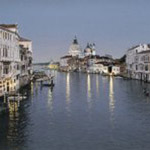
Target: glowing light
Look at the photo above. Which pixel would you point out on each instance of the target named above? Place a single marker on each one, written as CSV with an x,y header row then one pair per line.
x,y
111,99
89,86
50,99
32,88
97,84
68,93
68,87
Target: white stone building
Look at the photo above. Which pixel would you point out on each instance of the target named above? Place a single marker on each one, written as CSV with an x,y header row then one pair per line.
x,y
26,44
104,68
9,58
26,61
138,62
64,60
75,49
90,50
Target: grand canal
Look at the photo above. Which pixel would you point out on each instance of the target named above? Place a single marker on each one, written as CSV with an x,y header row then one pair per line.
x,y
82,112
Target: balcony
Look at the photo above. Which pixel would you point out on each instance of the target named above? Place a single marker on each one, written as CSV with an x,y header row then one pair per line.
x,y
9,75
6,59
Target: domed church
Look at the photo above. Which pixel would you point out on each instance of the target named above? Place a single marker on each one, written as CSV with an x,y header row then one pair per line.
x,y
75,49
90,50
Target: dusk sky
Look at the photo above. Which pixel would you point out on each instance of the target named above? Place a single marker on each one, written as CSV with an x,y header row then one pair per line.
x,y
113,25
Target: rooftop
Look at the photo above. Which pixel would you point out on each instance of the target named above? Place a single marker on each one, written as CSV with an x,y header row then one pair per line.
x,y
75,41
144,52
24,39
133,47
9,25
67,56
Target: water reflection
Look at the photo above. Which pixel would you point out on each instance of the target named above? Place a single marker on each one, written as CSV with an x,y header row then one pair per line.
x,y
104,126
68,92
36,88
50,99
111,99
13,121
32,88
55,74
89,86
13,106
97,84
16,124
68,88
89,95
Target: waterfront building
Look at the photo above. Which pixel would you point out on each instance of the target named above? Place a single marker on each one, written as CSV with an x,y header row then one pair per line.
x,y
103,65
9,58
26,68
26,44
138,62
106,59
64,63
71,60
104,68
88,61
75,49
54,65
90,50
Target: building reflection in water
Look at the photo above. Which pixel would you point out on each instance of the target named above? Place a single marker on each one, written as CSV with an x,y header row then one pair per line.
x,y
55,74
89,86
13,121
89,96
50,98
68,92
111,99
36,88
16,136
32,88
97,84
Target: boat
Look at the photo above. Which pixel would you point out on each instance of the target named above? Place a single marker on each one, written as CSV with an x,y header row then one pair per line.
x,y
48,85
42,79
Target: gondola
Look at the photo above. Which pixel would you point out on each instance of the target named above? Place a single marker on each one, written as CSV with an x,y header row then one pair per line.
x,y
48,85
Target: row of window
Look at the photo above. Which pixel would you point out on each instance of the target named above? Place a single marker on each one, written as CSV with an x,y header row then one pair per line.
x,y
5,51
144,58
6,35
8,68
142,67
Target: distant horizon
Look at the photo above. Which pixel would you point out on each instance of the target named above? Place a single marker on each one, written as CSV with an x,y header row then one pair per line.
x,y
113,25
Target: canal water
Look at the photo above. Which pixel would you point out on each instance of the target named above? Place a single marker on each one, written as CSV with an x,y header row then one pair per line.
x,y
82,112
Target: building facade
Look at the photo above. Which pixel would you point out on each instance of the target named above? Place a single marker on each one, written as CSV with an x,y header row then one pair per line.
x,y
90,50
26,69
138,62
9,58
75,49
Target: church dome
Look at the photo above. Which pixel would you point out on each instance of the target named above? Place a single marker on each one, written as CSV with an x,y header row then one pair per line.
x,y
75,49
89,50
